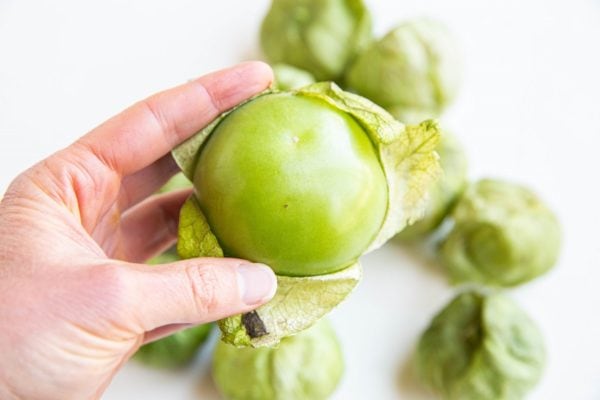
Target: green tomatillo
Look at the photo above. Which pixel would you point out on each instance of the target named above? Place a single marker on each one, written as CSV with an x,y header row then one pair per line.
x,y
273,190
481,346
305,181
502,235
319,36
413,71
288,77
176,350
307,366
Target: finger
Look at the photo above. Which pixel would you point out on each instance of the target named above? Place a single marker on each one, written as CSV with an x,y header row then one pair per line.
x,y
149,129
150,227
138,186
196,291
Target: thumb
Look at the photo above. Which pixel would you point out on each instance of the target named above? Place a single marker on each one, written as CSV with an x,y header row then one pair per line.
x,y
197,290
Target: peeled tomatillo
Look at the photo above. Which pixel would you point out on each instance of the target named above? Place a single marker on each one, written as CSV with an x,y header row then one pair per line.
x,y
292,182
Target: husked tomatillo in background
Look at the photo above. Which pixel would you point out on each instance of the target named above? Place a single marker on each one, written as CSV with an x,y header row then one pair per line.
x,y
288,77
414,71
176,350
319,36
305,366
481,346
503,235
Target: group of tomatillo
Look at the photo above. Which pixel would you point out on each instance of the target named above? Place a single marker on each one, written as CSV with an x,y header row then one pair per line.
x,y
343,153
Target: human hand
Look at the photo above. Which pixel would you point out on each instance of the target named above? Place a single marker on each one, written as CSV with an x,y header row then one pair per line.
x,y
75,300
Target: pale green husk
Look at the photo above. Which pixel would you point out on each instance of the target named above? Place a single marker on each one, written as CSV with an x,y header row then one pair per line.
x,y
195,237
307,366
445,192
298,303
413,71
408,158
481,346
407,154
319,36
503,235
288,77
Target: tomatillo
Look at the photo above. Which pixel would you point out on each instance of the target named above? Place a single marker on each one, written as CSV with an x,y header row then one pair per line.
x,y
305,181
292,182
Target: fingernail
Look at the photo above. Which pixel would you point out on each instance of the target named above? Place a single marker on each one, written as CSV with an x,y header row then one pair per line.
x,y
257,283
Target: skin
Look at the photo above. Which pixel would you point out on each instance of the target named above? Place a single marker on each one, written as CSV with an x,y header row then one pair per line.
x,y
290,181
75,300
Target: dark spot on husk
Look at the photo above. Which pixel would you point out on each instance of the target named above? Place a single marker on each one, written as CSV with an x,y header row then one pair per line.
x,y
254,325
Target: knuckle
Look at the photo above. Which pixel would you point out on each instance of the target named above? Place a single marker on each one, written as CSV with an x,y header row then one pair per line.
x,y
204,284
214,101
152,106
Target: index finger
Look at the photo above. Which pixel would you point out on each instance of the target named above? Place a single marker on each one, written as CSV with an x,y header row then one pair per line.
x,y
149,129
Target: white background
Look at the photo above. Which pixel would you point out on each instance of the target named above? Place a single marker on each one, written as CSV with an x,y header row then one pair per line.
x,y
529,111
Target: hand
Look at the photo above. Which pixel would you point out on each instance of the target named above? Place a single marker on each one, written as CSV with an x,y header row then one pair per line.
x,y
75,300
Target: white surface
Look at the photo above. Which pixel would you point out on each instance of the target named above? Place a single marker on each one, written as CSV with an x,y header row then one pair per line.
x,y
528,111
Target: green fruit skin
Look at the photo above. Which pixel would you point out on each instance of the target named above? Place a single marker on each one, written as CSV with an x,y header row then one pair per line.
x,y
292,182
